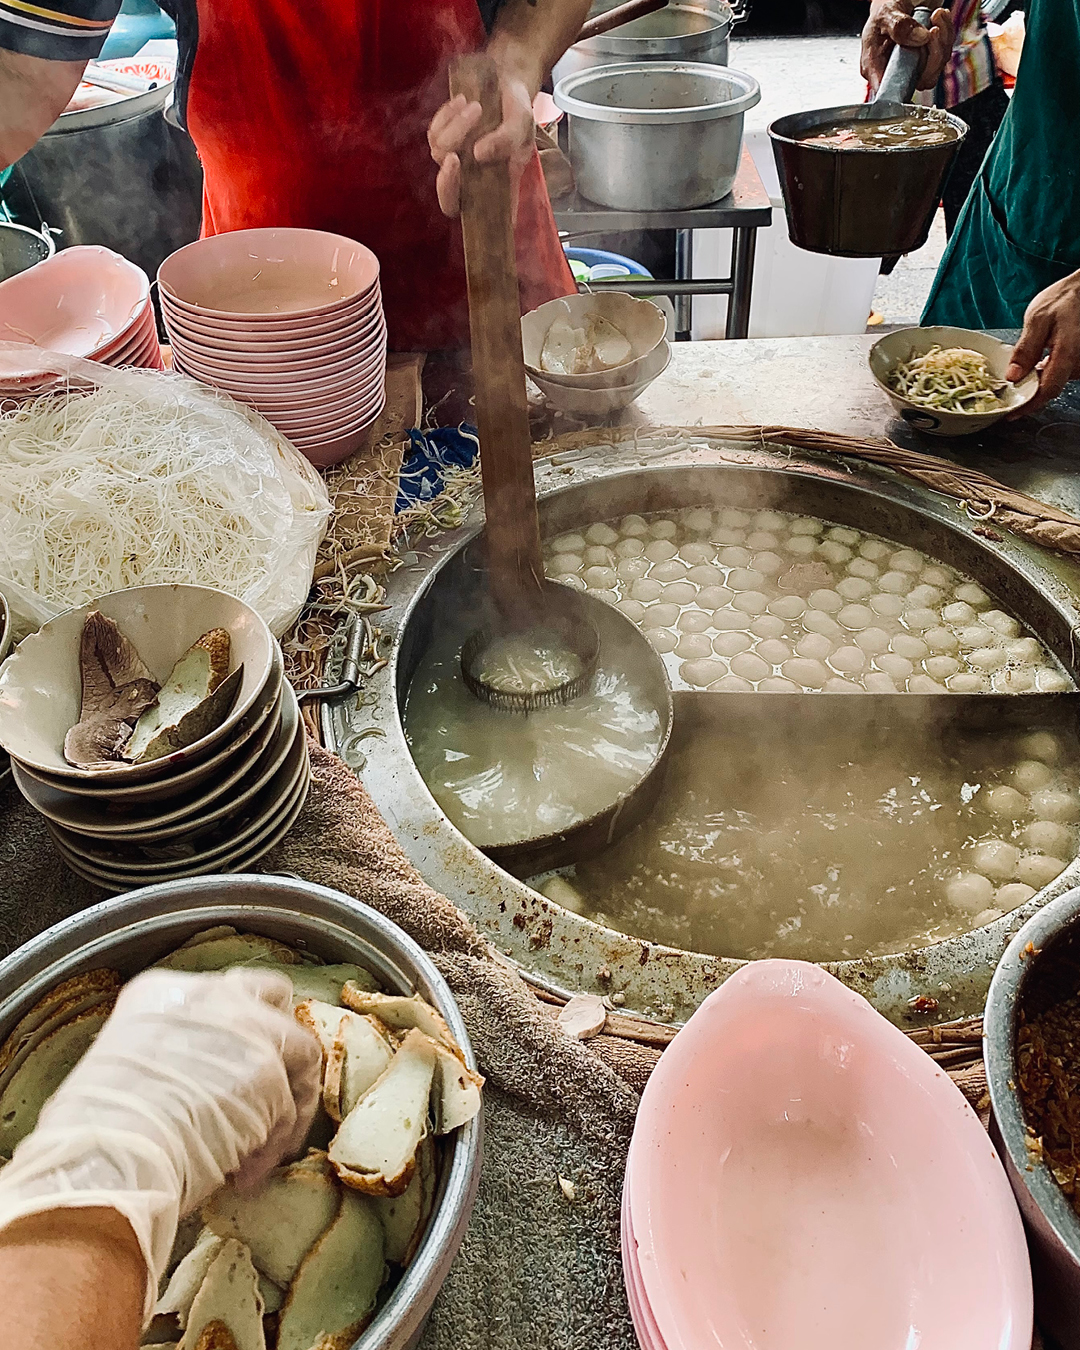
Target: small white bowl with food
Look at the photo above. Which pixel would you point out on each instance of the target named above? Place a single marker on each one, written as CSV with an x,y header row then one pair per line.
x,y
948,381
135,685
601,402
600,340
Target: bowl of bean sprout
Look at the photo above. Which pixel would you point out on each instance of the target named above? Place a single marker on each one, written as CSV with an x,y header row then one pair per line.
x,y
948,381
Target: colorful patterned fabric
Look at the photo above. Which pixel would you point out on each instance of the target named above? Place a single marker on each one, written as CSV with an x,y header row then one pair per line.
x,y
971,67
65,30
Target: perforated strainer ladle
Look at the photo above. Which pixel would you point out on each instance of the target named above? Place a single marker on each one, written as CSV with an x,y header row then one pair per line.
x,y
525,605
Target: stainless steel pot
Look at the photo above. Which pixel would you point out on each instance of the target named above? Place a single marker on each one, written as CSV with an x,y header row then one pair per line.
x,y
131,931
1053,1226
118,175
22,247
686,30
656,135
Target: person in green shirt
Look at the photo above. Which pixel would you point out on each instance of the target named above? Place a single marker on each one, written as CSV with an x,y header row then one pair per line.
x,y
1014,257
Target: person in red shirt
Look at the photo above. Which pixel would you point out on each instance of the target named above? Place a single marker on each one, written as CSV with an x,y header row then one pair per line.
x,y
331,115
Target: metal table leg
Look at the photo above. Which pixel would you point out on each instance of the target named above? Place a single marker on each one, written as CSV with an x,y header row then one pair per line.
x,y
684,270
743,246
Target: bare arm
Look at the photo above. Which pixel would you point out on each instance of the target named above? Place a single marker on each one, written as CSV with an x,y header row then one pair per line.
x,y
33,94
1051,323
890,23
71,1278
526,42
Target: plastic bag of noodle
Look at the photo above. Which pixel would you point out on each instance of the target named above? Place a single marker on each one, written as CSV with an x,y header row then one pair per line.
x,y
112,478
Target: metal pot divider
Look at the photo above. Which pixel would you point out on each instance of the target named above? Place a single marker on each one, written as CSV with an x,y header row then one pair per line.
x,y
865,202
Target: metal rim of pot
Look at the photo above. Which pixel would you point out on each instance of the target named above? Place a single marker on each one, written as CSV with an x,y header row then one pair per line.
x,y
170,912
1014,970
108,114
618,42
568,98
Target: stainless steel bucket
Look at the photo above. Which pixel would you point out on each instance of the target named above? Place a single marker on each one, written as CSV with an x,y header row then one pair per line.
x,y
684,30
656,135
22,248
1053,1226
118,175
136,929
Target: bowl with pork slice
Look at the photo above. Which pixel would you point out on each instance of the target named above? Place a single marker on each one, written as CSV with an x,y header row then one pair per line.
x,y
348,1242
137,685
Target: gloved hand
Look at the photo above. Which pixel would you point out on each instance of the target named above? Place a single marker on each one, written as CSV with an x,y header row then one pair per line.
x,y
193,1079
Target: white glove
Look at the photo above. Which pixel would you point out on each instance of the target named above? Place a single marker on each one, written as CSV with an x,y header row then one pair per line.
x,y
193,1079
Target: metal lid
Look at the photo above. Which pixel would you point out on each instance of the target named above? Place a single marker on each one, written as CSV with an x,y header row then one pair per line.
x,y
630,92
108,114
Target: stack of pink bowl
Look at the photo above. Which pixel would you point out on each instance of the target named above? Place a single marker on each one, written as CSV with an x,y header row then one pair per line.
x,y
84,301
288,321
803,1175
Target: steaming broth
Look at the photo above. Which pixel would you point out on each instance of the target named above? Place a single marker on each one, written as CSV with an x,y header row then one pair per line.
x,y
892,134
504,777
741,600
756,849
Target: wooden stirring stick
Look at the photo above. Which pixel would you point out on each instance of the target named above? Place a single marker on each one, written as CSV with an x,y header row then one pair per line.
x,y
514,560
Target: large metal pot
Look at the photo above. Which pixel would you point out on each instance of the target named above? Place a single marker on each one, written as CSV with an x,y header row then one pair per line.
x,y
1052,1224
118,175
684,30
656,135
22,248
131,931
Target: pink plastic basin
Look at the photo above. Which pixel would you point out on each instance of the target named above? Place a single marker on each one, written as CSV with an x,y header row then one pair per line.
x,y
803,1177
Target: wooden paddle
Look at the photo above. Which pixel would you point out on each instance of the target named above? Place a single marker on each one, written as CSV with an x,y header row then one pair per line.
x,y
502,416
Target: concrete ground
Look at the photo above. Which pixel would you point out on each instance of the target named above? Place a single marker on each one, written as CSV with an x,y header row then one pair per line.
x,y
798,73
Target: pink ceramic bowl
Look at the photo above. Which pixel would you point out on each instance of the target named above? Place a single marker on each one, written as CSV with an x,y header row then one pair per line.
x,y
286,405
301,367
327,452
286,397
269,274
265,333
332,425
76,301
355,338
136,333
123,354
328,348
802,1175
269,338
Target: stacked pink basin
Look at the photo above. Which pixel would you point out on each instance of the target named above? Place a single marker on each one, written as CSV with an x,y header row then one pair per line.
x,y
84,301
802,1176
289,321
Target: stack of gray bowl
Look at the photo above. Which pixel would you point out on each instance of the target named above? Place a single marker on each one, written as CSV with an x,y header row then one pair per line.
x,y
215,806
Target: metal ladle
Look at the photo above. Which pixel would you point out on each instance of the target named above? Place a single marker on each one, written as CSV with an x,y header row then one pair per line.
x,y
524,602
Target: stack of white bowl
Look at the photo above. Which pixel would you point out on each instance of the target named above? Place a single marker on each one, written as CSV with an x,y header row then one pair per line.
x,y
85,301
215,806
288,321
643,324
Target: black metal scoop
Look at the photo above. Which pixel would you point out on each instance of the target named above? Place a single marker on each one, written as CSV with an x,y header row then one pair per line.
x,y
865,201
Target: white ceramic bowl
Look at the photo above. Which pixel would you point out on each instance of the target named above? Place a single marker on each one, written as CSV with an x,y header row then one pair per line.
x,y
601,402
40,691
642,322
252,730
889,351
227,793
207,840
